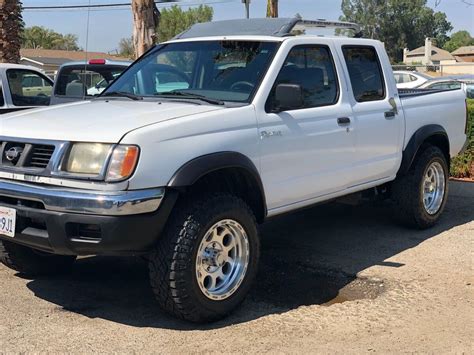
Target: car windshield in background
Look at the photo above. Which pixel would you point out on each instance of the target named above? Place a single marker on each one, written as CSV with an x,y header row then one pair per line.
x,y
85,80
216,70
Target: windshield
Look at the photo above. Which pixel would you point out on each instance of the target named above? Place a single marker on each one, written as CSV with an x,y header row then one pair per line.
x,y
218,70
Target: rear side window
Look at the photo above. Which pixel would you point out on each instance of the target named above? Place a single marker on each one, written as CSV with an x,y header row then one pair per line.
x,y
2,100
365,72
29,88
312,68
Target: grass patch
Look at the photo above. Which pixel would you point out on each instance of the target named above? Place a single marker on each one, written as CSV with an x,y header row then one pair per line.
x,y
462,165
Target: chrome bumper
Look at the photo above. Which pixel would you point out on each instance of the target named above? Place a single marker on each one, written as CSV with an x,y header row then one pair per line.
x,y
106,203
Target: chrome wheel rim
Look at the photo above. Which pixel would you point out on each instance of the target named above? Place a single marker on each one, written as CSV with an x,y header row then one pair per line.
x,y
434,185
222,259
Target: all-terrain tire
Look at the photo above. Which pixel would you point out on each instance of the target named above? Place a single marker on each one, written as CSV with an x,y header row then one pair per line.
x,y
407,190
172,264
30,262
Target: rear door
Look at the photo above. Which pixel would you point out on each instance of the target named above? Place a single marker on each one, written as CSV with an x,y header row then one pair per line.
x,y
377,111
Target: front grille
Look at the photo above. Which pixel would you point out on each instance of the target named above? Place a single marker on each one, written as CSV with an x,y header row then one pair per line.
x,y
25,155
40,156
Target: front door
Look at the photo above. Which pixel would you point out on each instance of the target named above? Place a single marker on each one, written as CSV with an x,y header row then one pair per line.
x,y
306,153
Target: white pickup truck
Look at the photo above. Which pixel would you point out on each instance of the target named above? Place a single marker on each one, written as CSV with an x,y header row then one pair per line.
x,y
210,134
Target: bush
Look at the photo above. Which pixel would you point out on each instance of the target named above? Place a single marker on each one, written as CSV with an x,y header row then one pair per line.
x,y
462,166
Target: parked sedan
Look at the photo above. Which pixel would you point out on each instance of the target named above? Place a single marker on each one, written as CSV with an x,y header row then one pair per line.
x,y
23,87
447,83
410,79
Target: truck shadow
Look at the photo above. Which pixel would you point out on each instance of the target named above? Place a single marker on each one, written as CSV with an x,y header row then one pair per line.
x,y
308,258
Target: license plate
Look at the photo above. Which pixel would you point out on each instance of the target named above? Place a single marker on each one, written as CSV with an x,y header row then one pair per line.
x,y
7,221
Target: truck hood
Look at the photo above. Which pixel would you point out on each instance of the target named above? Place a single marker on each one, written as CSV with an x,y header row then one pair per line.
x,y
94,121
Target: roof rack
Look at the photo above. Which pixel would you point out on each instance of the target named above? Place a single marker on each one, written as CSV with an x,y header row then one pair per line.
x,y
278,27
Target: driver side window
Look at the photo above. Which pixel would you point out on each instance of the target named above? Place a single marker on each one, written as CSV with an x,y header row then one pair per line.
x,y
312,68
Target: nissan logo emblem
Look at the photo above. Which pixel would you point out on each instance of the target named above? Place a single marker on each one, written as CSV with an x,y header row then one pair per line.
x,y
14,153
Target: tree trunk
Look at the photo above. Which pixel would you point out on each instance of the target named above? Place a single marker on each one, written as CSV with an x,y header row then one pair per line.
x,y
10,30
145,22
272,8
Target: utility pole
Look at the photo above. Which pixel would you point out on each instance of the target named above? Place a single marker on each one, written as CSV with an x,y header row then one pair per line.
x,y
247,7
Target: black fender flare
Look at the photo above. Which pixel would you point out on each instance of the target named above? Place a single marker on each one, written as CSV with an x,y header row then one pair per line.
x,y
418,138
192,171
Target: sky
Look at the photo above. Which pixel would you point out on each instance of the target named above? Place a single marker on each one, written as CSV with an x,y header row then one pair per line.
x,y
108,26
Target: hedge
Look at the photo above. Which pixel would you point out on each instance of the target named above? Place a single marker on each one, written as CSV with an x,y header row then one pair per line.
x,y
462,166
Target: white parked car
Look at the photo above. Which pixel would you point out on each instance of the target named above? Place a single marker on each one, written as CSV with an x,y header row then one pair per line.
x,y
452,83
23,87
264,123
410,79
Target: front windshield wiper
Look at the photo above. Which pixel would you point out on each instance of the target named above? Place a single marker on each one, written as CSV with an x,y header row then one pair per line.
x,y
188,95
123,94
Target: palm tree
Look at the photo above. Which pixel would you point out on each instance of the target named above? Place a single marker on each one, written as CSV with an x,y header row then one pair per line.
x,y
272,8
10,31
145,22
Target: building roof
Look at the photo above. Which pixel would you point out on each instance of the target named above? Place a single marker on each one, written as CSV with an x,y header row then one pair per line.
x,y
46,60
437,54
66,55
466,50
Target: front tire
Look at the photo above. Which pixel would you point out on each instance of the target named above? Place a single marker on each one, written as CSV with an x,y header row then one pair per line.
x,y
420,195
31,262
207,258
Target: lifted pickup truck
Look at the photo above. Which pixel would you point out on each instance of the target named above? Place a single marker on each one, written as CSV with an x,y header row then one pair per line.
x,y
255,122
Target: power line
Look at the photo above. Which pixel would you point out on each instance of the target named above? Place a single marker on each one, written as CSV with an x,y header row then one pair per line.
x,y
98,6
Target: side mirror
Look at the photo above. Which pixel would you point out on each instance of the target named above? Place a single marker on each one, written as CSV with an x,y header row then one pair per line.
x,y
288,97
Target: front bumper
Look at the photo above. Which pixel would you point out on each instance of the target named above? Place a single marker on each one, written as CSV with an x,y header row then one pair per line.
x,y
82,222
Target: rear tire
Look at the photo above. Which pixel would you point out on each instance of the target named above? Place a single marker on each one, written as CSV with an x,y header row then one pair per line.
x,y
206,259
31,262
420,196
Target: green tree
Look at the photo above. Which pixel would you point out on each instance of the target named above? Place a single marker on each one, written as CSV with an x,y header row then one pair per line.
x,y
126,48
174,20
457,40
398,23
11,26
39,37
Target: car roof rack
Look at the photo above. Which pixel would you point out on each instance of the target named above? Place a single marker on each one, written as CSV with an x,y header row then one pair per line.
x,y
277,27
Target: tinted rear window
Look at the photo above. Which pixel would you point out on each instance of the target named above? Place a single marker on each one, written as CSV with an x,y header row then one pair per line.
x,y
2,100
365,73
81,80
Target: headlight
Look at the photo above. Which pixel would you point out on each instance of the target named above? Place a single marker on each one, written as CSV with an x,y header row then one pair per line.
x,y
90,159
87,158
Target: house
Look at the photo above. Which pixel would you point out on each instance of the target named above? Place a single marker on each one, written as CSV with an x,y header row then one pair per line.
x,y
464,54
49,60
426,55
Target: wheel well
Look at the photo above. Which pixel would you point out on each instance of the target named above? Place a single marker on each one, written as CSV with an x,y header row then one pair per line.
x,y
442,142
238,181
431,134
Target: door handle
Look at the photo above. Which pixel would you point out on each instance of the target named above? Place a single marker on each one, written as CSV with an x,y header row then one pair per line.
x,y
389,115
343,121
